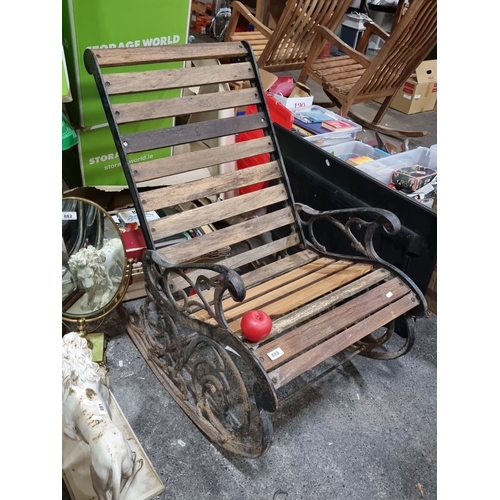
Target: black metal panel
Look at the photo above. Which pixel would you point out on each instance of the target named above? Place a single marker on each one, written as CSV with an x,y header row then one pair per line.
x,y
326,183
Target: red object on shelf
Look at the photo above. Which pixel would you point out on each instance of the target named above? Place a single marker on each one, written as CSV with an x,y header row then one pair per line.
x,y
135,244
279,112
253,160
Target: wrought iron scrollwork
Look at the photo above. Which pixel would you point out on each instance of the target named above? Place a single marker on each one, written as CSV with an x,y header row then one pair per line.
x,y
210,373
379,219
366,220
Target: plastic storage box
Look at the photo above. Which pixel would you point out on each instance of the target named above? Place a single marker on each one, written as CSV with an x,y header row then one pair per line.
x,y
382,169
355,152
323,138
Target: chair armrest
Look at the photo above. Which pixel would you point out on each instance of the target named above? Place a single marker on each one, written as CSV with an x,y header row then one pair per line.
x,y
364,220
371,28
322,32
158,270
237,10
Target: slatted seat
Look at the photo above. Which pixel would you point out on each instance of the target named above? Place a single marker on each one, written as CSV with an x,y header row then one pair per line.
x,y
324,306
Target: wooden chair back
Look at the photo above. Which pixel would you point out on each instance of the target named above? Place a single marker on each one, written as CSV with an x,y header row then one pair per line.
x,y
252,217
412,39
290,42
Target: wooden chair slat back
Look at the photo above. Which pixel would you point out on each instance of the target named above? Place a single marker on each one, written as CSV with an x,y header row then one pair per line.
x,y
178,116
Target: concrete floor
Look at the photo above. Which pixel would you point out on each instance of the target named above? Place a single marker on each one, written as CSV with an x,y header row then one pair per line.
x,y
367,432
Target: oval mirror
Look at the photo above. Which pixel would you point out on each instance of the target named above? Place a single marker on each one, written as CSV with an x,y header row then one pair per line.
x,y
94,263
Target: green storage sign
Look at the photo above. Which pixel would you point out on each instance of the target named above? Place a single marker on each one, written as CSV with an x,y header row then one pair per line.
x,y
99,159
115,24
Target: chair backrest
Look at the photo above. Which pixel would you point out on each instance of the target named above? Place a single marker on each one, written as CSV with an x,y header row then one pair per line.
x,y
411,41
261,222
290,43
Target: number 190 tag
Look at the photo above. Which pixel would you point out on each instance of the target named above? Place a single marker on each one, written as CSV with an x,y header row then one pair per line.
x,y
69,216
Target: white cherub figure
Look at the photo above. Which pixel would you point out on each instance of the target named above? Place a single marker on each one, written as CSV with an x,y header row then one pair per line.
x,y
86,416
96,272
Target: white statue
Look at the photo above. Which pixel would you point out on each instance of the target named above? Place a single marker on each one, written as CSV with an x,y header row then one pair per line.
x,y
97,271
86,415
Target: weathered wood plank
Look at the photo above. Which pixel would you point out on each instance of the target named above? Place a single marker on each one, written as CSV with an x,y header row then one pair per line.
x,y
334,345
192,132
194,248
109,58
301,297
317,330
272,283
276,301
167,79
320,305
209,157
179,193
245,258
184,221
187,105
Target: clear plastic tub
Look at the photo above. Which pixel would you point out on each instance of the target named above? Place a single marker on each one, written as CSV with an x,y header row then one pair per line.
x,y
355,152
382,169
433,159
310,118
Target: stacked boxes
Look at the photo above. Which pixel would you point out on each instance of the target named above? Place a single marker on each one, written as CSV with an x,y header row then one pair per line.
x,y
201,16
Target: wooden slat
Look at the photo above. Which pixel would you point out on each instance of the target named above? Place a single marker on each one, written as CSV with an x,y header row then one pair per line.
x,y
187,105
271,284
269,271
206,187
334,345
109,58
192,132
245,258
279,298
194,160
183,221
192,249
330,323
320,305
301,297
166,79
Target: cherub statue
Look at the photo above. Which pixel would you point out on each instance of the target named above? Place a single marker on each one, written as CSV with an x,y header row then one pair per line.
x,y
86,415
97,271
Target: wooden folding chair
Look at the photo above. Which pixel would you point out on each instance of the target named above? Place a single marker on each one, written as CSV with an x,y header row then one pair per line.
x,y
354,78
287,46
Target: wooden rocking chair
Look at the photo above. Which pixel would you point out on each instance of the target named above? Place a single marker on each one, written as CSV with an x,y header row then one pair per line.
x,y
354,78
326,308
287,47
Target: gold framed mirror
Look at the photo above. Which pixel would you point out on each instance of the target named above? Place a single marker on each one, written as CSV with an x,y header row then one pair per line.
x,y
95,268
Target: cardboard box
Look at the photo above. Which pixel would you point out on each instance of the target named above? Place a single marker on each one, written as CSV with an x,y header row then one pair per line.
x,y
419,93
203,24
197,9
299,98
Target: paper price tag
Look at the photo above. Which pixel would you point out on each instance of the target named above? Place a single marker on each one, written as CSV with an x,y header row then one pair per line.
x,y
69,216
277,353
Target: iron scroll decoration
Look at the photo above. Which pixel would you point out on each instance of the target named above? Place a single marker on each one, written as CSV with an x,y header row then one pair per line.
x,y
95,269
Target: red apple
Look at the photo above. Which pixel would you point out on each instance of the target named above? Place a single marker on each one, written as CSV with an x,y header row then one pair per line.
x,y
256,325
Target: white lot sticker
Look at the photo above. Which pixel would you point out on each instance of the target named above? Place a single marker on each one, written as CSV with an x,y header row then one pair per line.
x,y
96,417
389,295
69,216
275,354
